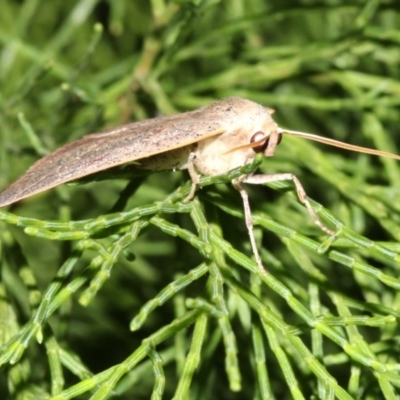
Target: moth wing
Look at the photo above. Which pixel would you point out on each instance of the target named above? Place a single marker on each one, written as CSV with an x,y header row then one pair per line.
x,y
100,151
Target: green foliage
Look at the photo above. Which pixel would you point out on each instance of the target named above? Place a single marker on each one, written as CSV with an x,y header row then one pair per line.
x,y
105,293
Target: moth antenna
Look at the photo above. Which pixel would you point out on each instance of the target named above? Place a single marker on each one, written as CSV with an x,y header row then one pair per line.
x,y
337,143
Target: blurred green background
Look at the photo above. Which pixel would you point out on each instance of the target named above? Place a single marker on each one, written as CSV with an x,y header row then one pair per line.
x,y
324,323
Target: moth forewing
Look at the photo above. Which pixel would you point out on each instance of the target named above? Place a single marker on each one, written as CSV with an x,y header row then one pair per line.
x,y
100,151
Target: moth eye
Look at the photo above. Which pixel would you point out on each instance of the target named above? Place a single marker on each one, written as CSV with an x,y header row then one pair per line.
x,y
262,141
258,137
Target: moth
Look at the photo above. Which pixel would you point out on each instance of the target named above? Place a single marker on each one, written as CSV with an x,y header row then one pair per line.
x,y
209,141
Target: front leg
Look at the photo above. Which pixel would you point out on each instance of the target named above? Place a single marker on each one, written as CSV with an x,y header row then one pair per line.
x,y
268,178
249,221
194,176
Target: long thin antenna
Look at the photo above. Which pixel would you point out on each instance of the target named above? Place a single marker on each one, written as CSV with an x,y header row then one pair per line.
x,y
337,143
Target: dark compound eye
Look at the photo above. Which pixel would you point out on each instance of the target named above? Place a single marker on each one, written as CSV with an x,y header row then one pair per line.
x,y
258,137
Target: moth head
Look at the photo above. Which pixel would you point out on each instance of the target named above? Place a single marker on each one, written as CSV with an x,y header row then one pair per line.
x,y
266,143
267,135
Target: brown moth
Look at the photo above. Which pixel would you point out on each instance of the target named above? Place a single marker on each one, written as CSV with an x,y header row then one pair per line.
x,y
209,141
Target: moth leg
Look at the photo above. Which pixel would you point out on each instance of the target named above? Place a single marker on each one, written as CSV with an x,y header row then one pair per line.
x,y
301,193
249,222
194,176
